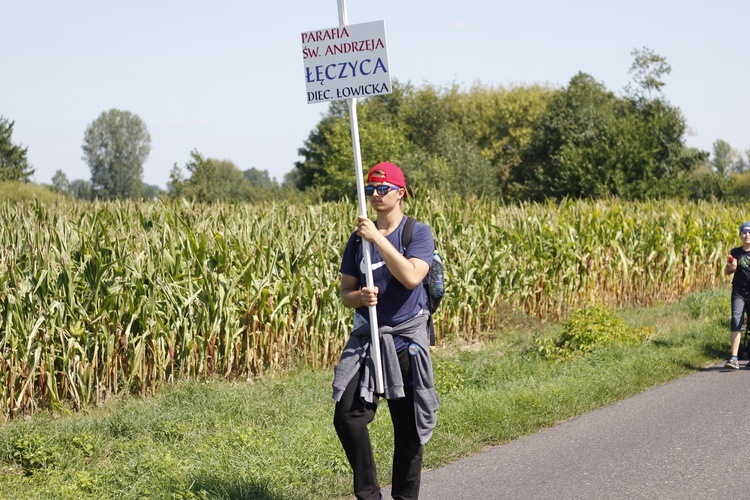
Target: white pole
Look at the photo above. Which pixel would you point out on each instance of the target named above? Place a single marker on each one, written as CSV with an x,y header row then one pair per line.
x,y
343,19
366,245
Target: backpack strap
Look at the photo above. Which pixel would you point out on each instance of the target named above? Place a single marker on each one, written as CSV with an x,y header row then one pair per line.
x,y
406,234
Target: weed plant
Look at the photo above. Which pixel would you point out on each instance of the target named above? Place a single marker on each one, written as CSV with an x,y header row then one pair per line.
x,y
274,438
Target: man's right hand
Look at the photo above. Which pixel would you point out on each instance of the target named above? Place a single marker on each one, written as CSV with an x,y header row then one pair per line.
x,y
369,296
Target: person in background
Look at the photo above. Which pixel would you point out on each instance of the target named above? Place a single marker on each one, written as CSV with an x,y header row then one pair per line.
x,y
738,264
401,304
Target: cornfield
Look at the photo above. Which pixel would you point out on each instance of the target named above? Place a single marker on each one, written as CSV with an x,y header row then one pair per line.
x,y
98,298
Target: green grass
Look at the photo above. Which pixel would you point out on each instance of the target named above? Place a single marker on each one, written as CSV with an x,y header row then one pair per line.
x,y
274,439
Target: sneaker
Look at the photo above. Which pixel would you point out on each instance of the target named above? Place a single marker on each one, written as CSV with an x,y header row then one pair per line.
x,y
733,364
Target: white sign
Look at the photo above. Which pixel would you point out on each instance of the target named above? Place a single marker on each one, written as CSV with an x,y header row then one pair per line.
x,y
346,62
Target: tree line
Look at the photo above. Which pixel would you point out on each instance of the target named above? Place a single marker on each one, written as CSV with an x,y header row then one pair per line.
x,y
529,142
523,142
115,147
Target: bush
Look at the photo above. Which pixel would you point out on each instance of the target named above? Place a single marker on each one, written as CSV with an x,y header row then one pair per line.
x,y
588,330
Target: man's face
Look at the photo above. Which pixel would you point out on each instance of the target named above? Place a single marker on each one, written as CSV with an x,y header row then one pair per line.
x,y
382,195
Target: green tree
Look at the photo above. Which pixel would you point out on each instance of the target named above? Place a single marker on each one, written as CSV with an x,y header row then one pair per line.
x,y
259,178
201,185
319,147
650,156
742,164
724,157
443,150
328,164
458,167
590,143
231,181
81,189
500,122
426,115
14,165
564,157
462,141
292,178
151,191
212,180
648,69
115,147
706,184
60,183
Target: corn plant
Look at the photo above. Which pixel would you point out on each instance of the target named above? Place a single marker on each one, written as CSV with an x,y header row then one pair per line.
x,y
99,298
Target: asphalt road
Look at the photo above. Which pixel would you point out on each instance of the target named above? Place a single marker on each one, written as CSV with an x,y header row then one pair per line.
x,y
682,440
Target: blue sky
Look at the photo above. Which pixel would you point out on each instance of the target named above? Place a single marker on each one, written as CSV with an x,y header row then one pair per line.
x,y
226,77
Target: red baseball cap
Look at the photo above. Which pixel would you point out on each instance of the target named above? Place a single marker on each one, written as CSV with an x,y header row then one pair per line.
x,y
391,174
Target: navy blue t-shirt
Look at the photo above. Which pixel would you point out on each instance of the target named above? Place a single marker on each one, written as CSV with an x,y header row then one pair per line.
x,y
396,303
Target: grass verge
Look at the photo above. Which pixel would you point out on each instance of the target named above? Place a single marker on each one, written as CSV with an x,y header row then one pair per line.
x,y
273,438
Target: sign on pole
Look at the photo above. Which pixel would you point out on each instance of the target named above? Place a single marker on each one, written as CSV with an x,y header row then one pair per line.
x,y
346,62
349,62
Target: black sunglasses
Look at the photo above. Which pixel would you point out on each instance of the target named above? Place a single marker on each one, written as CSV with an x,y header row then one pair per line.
x,y
382,190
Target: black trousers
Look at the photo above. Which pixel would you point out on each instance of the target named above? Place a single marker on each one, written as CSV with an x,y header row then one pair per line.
x,y
351,417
